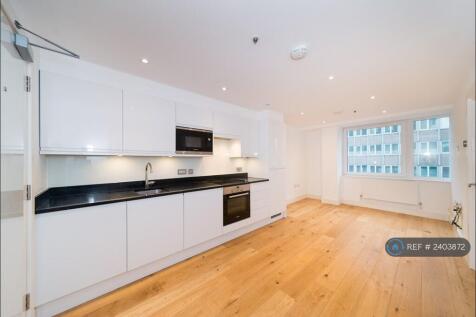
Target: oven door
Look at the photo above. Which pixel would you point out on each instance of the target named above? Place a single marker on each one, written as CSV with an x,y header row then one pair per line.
x,y
236,207
193,141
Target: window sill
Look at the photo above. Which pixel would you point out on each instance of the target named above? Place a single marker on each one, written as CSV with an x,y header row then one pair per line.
x,y
399,178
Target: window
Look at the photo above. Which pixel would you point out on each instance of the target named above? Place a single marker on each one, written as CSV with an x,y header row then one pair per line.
x,y
374,145
384,149
445,147
431,151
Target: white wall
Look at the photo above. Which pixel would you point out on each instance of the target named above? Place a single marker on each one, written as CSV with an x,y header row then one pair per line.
x,y
312,162
296,179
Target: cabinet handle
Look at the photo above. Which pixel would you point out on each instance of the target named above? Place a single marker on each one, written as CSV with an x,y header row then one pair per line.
x,y
471,185
239,195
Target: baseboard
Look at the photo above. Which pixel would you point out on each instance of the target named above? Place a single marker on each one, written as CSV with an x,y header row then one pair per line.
x,y
295,199
330,201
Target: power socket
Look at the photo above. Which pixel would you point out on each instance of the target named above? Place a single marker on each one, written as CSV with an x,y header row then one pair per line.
x,y
190,171
182,171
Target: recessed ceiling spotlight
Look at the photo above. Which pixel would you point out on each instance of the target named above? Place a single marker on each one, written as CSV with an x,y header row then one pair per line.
x,y
267,104
324,122
384,111
372,97
302,113
145,61
331,77
223,88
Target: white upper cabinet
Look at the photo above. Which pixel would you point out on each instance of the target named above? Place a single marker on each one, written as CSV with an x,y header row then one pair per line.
x,y
251,138
154,229
78,248
79,116
193,116
149,125
227,125
203,216
277,144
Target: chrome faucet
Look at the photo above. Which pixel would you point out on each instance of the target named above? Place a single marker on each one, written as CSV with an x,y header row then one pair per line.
x,y
148,169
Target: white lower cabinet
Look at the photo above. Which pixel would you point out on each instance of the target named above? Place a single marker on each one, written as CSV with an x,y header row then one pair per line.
x,y
277,190
154,229
203,216
78,248
260,202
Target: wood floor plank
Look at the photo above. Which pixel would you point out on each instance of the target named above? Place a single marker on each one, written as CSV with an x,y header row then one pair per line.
x,y
323,260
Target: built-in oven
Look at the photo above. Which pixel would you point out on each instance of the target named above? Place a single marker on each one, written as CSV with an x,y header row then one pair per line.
x,y
193,141
236,203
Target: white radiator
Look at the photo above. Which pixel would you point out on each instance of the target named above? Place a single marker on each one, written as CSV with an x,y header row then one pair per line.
x,y
394,191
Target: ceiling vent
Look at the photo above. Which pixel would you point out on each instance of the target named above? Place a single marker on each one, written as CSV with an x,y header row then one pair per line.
x,y
299,52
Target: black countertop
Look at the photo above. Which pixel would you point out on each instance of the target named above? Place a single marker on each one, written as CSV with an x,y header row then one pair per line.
x,y
61,198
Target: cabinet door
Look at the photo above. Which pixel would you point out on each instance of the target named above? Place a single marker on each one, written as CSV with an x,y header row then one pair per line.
x,y
260,201
277,139
149,125
77,248
154,229
277,189
203,216
193,116
250,139
78,116
227,125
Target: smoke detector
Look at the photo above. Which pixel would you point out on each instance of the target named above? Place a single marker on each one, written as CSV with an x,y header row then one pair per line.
x,y
299,52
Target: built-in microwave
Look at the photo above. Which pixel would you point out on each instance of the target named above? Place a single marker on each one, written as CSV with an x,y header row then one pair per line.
x,y
193,141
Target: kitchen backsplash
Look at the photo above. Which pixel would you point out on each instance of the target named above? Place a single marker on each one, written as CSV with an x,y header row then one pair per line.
x,y
82,170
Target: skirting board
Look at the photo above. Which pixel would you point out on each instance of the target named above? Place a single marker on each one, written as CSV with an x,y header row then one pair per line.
x,y
295,199
69,301
438,216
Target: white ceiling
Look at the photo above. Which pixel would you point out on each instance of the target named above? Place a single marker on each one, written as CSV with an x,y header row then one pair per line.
x,y
409,54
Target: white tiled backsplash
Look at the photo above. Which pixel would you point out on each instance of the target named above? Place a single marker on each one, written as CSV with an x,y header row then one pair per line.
x,y
82,170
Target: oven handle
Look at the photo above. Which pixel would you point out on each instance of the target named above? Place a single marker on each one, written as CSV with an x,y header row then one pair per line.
x,y
239,195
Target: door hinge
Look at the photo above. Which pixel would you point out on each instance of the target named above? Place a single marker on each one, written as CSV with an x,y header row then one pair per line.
x,y
27,301
27,83
28,192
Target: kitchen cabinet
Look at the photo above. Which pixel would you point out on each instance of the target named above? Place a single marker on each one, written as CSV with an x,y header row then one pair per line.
x,y
154,229
203,216
227,125
277,144
250,139
277,190
260,201
77,248
193,116
149,125
79,116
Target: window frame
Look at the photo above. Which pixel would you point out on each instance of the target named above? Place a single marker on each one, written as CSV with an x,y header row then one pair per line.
x,y
405,149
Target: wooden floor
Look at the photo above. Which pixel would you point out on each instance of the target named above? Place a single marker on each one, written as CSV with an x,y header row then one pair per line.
x,y
322,260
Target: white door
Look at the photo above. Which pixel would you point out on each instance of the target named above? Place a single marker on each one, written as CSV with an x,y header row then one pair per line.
x,y
14,120
470,223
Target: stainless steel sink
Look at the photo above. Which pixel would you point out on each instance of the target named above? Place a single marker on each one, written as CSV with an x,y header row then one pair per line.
x,y
149,192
